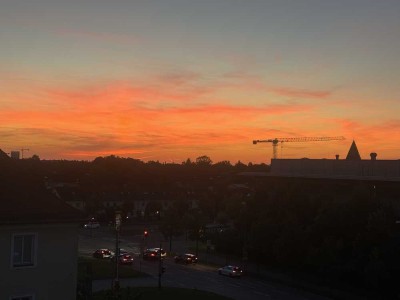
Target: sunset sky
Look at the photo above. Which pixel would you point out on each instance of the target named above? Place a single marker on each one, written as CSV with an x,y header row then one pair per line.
x,y
167,80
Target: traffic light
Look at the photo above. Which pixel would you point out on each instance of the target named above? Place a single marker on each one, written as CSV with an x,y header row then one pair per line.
x,y
145,233
162,270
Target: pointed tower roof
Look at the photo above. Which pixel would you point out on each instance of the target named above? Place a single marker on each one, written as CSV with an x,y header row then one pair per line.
x,y
353,152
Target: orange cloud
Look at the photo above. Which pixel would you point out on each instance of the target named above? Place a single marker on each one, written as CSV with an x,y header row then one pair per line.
x,y
382,137
122,118
177,115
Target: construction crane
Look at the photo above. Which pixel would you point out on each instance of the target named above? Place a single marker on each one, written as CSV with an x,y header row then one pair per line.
x,y
22,152
276,141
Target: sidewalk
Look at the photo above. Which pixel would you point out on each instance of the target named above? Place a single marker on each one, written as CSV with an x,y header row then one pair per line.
x,y
106,284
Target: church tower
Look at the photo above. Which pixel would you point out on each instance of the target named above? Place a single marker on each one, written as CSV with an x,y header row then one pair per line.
x,y
353,152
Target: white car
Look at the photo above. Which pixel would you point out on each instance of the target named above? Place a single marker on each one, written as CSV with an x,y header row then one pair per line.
x,y
231,271
92,224
103,253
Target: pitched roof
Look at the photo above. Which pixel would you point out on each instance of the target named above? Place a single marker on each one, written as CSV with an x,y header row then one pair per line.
x,y
353,152
25,200
3,155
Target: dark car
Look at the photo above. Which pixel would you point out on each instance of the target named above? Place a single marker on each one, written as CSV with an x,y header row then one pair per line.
x,y
125,259
154,254
186,258
103,253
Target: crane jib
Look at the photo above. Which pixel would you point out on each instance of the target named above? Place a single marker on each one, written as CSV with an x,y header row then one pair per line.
x,y
276,141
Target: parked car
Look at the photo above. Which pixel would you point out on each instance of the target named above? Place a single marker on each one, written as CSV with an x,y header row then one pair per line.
x,y
231,271
92,224
186,258
154,254
103,253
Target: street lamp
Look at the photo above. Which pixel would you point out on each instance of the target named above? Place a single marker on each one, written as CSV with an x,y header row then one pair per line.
x,y
244,233
117,228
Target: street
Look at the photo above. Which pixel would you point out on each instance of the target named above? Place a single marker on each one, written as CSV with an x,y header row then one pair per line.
x,y
200,276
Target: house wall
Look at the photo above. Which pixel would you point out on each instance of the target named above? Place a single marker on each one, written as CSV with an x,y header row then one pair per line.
x,y
55,273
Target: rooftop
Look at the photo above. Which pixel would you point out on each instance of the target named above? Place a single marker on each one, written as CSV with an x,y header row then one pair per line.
x,y
25,200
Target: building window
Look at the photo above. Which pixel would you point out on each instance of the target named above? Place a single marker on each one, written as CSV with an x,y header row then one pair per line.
x,y
22,298
24,251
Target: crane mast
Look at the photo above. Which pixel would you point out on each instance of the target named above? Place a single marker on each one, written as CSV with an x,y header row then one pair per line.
x,y
276,141
22,151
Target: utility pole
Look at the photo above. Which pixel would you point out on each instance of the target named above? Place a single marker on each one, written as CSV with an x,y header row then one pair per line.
x,y
22,152
117,228
161,268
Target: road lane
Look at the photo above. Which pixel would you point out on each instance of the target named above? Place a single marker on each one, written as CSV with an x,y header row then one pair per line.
x,y
202,277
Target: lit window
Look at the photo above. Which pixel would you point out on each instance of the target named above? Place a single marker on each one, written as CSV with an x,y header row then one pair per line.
x,y
23,251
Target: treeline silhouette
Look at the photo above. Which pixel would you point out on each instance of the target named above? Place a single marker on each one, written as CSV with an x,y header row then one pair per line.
x,y
333,232
340,232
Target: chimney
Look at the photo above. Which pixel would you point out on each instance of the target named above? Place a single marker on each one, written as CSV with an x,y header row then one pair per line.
x,y
373,155
337,156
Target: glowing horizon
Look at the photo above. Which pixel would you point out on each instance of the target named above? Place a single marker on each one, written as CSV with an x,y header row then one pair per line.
x,y
161,81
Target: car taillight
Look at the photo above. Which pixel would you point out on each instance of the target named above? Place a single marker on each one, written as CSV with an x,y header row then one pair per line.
x,y
152,254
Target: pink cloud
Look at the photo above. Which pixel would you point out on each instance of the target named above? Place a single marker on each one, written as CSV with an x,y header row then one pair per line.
x,y
180,77
300,93
104,37
378,137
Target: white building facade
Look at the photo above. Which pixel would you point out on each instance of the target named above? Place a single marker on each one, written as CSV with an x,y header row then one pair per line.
x,y
38,261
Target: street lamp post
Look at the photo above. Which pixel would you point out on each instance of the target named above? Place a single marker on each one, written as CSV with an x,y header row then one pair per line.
x,y
117,228
161,268
244,235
